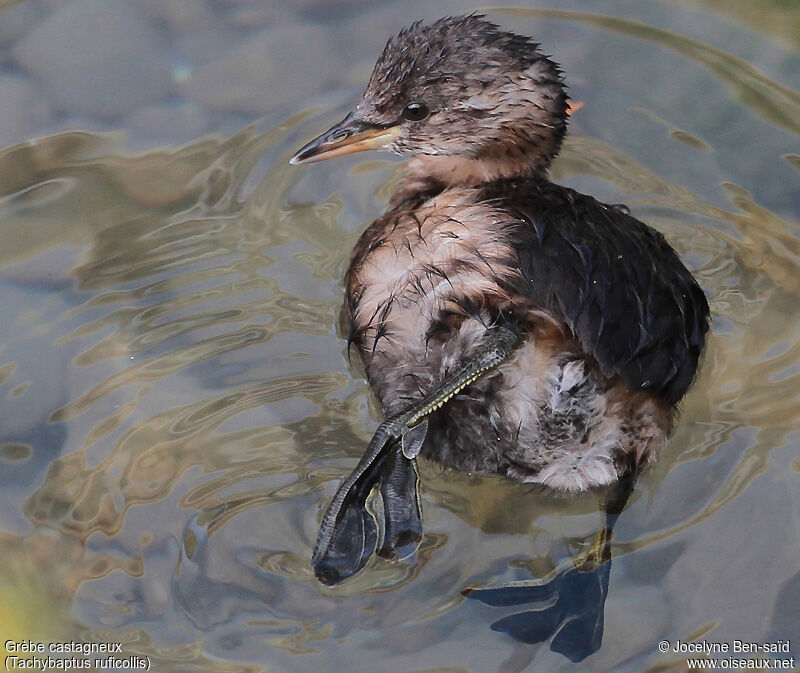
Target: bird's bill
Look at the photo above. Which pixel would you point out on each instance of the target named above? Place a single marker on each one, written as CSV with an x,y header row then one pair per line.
x,y
348,136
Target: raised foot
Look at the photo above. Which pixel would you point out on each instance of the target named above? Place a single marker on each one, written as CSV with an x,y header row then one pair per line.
x,y
349,533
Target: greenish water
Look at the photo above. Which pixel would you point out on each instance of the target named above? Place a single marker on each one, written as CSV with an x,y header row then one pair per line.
x,y
176,403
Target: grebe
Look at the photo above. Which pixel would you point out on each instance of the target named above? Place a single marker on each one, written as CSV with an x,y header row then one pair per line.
x,y
506,323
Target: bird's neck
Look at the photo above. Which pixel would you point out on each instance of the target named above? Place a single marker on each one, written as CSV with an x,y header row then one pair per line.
x,y
464,170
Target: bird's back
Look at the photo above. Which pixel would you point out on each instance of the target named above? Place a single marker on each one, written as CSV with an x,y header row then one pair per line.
x,y
615,282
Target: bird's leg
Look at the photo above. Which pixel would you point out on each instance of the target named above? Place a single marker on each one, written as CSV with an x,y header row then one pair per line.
x,y
613,503
348,534
569,601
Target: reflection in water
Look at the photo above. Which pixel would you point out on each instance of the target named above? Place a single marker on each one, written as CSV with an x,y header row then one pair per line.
x,y
172,314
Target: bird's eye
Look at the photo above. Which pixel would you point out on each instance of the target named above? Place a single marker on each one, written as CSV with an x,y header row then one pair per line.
x,y
415,112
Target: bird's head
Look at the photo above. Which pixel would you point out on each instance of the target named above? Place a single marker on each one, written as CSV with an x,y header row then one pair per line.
x,y
467,99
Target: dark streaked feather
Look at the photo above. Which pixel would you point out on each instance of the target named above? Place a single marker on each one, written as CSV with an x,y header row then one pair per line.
x,y
617,283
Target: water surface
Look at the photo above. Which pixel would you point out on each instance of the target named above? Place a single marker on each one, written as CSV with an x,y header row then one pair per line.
x,y
177,406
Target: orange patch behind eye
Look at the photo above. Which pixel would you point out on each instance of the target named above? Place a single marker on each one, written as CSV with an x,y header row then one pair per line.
x,y
573,106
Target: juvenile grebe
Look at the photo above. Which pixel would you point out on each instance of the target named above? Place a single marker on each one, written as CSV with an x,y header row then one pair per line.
x,y
506,323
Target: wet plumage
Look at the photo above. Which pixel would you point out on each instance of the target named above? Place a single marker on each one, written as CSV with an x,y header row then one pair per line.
x,y
610,322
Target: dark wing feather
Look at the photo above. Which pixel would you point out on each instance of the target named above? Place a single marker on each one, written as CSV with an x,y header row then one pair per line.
x,y
617,284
